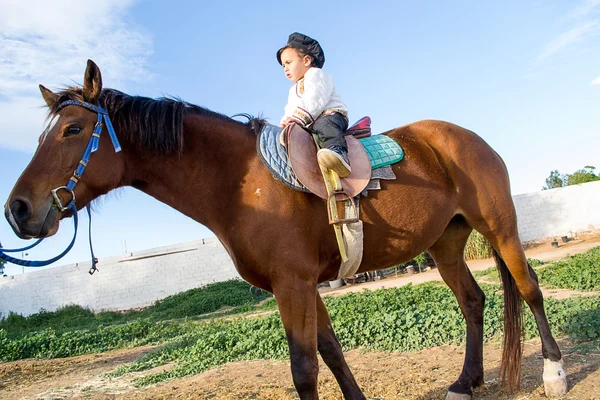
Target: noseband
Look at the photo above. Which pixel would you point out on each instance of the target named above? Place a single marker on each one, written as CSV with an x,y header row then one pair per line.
x,y
70,187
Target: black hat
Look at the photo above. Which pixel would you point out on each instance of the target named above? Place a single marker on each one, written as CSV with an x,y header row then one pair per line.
x,y
309,45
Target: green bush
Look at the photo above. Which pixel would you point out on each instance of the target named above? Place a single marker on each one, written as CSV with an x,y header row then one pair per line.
x,y
410,318
491,274
48,343
207,299
190,303
534,262
65,318
579,272
421,259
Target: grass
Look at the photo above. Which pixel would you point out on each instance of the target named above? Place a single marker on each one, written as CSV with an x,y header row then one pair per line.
x,y
409,318
188,304
579,272
398,319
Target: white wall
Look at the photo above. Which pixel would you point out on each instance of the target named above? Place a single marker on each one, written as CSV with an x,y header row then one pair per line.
x,y
138,281
121,283
558,212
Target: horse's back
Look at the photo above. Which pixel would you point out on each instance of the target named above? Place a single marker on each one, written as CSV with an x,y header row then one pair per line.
x,y
468,161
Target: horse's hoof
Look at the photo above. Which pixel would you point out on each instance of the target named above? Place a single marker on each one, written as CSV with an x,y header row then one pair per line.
x,y
458,396
555,378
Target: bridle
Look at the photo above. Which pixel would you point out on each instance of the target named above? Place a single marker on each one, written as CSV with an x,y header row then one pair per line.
x,y
70,187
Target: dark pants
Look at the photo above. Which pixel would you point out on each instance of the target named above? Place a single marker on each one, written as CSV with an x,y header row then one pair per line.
x,y
330,130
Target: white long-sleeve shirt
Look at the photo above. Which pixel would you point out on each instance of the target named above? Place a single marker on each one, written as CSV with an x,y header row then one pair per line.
x,y
313,95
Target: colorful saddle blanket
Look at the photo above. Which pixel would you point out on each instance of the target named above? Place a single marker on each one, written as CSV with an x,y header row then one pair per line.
x,y
382,151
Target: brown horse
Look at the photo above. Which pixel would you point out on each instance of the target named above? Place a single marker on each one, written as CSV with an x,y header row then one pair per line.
x,y
205,165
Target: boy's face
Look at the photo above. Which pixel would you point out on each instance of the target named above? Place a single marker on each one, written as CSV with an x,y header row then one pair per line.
x,y
294,66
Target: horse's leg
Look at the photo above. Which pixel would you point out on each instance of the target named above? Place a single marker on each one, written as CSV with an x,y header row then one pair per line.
x,y
448,255
331,351
500,228
297,302
512,255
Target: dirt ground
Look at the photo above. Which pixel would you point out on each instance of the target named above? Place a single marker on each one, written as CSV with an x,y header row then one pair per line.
x,y
423,375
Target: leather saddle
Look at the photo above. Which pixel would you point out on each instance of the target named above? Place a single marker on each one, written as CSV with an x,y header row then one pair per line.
x,y
302,152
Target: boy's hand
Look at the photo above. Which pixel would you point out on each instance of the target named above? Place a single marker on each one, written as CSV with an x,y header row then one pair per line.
x,y
285,121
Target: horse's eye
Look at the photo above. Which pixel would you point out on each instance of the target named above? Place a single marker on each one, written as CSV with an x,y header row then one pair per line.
x,y
72,131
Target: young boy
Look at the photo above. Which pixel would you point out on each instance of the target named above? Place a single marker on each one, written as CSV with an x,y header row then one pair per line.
x,y
313,101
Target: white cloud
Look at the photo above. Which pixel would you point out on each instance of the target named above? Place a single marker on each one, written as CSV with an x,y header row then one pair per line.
x,y
596,81
584,9
570,37
584,24
22,121
49,43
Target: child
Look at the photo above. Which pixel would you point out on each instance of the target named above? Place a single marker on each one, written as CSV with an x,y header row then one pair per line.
x,y
313,101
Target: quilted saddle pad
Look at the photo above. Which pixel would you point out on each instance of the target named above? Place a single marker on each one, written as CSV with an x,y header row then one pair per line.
x,y
382,151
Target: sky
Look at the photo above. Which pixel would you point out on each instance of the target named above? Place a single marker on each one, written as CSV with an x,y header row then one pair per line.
x,y
523,74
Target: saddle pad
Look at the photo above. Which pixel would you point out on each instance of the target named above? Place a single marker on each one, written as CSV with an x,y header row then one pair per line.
x,y
382,150
275,157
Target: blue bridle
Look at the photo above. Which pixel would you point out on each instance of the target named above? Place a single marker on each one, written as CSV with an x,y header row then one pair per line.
x,y
70,187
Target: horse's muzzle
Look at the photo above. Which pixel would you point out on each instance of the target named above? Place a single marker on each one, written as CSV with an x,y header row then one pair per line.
x,y
27,223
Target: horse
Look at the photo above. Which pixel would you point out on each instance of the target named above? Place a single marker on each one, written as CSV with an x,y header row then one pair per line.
x,y
205,165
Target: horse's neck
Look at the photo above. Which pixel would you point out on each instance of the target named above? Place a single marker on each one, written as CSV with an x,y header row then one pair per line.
x,y
202,181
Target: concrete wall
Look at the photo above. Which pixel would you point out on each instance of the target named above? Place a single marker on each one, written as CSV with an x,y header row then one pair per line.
x,y
558,212
122,282
139,280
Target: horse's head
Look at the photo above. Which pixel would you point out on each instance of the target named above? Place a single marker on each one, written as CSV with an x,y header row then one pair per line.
x,y
32,209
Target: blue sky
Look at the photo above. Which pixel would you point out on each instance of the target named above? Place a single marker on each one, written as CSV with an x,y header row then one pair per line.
x,y
525,75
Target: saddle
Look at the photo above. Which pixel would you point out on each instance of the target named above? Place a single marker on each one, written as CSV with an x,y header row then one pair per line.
x,y
302,152
291,157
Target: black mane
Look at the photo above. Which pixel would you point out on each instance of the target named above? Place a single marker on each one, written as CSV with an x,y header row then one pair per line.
x,y
152,124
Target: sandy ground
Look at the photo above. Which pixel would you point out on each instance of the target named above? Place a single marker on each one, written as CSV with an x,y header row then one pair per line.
x,y
424,375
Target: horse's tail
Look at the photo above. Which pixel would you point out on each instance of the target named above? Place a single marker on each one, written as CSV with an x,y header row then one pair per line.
x,y
510,368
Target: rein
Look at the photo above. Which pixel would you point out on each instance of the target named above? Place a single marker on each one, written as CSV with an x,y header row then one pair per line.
x,y
70,187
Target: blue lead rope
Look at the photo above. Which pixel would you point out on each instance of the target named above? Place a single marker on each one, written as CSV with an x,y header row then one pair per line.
x,y
91,148
30,263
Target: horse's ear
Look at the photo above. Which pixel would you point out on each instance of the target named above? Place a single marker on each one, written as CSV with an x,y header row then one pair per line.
x,y
92,83
49,96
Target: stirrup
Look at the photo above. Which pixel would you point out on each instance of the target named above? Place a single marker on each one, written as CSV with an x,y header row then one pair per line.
x,y
344,198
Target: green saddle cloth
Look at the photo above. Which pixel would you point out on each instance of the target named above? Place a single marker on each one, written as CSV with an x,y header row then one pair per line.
x,y
382,150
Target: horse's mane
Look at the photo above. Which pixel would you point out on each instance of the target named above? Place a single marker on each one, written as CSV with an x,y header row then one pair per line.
x,y
152,124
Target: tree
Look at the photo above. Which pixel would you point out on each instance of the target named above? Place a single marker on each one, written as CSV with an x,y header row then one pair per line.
x,y
582,176
555,180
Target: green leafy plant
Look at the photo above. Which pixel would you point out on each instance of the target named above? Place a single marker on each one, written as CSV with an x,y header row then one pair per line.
x,y
409,318
579,272
191,303
421,259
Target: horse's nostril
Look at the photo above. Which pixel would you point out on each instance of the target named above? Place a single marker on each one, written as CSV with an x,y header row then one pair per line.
x,y
20,210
